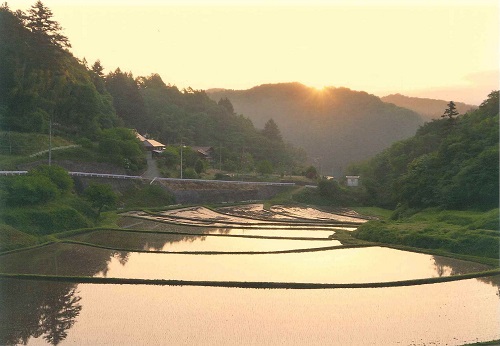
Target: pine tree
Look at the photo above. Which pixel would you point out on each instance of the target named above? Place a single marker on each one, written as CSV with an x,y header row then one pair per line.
x,y
39,22
271,131
451,111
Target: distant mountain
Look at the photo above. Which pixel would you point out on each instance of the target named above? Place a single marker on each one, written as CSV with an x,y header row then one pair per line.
x,y
428,108
336,126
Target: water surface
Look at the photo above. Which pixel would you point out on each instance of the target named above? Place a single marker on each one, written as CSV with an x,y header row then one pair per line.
x,y
452,313
355,265
181,243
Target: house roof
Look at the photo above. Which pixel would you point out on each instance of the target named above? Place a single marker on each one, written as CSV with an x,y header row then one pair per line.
x,y
153,143
203,150
140,137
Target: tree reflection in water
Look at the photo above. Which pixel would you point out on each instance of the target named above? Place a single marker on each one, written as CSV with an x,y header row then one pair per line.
x,y
34,309
451,266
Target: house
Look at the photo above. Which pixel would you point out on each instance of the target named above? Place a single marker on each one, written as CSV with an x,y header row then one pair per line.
x,y
206,153
150,144
154,146
139,136
352,180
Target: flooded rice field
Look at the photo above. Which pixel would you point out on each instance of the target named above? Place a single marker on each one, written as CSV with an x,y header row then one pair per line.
x,y
314,214
43,312
186,243
302,232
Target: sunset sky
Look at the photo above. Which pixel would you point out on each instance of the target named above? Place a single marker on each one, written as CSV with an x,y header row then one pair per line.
x,y
417,48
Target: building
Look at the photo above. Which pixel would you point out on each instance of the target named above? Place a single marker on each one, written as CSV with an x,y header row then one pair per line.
x,y
352,180
150,144
206,153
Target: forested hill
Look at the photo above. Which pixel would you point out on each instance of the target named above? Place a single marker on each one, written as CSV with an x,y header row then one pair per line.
x,y
41,80
336,126
450,163
41,83
429,109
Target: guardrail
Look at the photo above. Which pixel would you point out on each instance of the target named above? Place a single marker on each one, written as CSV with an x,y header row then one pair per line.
x,y
226,181
13,172
106,175
137,177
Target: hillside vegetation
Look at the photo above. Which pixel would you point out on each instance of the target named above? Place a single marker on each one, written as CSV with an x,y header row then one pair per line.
x,y
440,187
449,163
44,88
336,126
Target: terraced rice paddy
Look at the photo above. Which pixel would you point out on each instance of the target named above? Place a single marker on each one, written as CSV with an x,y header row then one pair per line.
x,y
188,249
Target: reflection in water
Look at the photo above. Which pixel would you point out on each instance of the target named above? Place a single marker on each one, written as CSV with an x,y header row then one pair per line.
x,y
202,243
354,265
450,266
34,309
37,311
453,313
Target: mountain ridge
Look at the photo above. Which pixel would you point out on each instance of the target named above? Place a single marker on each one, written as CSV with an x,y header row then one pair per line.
x,y
336,126
428,108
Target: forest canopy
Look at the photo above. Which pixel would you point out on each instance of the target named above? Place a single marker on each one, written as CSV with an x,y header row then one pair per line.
x,y
43,85
450,163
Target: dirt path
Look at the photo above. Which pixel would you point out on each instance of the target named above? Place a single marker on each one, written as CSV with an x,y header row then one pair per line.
x,y
152,171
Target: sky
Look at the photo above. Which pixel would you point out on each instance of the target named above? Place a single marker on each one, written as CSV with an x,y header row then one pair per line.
x,y
428,48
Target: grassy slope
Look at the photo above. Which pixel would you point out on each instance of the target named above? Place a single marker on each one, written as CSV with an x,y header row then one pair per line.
x,y
461,232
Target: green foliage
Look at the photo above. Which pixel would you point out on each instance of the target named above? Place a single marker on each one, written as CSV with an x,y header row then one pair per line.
x,y
264,167
190,173
452,164
42,221
100,196
199,166
329,188
56,174
18,143
147,196
11,238
121,147
271,131
171,157
337,125
450,111
40,81
30,190
311,173
192,118
39,22
329,193
472,233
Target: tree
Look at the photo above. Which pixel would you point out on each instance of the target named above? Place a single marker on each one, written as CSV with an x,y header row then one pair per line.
x,y
39,22
264,167
100,195
199,167
98,69
30,190
311,172
224,102
271,131
451,111
57,175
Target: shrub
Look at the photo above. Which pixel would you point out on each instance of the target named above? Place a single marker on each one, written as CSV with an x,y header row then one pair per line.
x,y
45,221
30,190
58,175
100,195
189,173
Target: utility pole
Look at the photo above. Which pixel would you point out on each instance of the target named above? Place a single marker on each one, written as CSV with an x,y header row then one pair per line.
x,y
50,141
220,157
181,158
